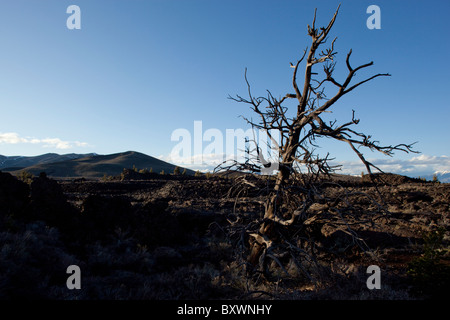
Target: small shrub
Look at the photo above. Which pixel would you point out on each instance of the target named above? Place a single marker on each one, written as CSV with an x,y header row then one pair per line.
x,y
107,178
26,176
428,274
435,179
123,174
176,171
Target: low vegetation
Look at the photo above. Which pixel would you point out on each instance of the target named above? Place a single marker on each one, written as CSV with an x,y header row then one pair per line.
x,y
175,237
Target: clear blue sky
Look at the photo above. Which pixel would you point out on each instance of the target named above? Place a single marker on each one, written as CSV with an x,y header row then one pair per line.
x,y
137,70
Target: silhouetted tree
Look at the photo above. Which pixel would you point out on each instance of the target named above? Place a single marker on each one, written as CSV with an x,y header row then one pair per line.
x,y
295,189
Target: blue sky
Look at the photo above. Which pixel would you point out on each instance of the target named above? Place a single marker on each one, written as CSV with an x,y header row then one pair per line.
x,y
138,70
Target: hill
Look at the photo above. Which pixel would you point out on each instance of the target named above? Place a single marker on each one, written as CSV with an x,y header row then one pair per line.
x,y
441,176
96,166
185,239
19,162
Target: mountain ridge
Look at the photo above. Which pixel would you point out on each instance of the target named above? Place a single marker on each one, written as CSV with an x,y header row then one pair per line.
x,y
442,176
26,161
90,165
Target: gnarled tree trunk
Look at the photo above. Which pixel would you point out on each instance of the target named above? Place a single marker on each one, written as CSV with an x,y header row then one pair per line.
x,y
297,136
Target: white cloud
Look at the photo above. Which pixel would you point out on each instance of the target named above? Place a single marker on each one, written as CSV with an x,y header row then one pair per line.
x,y
56,143
420,165
416,166
201,162
15,138
81,144
11,138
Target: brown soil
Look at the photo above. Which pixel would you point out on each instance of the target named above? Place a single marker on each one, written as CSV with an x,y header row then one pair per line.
x,y
166,237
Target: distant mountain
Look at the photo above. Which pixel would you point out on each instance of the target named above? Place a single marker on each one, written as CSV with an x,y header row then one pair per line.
x,y
442,176
95,166
18,162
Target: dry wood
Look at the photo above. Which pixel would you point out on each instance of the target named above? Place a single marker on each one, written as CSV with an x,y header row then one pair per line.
x,y
294,195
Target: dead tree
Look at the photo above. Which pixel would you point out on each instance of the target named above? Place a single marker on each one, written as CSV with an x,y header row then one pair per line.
x,y
294,191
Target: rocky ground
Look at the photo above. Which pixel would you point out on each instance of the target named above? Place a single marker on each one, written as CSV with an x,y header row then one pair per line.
x,y
167,237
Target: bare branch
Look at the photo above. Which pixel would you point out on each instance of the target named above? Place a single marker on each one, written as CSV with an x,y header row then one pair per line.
x,y
296,188
294,78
